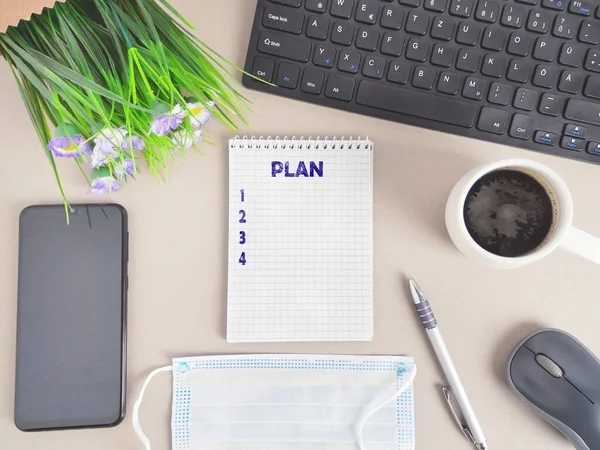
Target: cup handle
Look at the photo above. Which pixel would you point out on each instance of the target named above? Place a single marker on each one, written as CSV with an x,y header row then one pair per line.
x,y
582,244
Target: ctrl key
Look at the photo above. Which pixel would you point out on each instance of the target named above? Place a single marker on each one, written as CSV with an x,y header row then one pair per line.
x,y
546,138
263,68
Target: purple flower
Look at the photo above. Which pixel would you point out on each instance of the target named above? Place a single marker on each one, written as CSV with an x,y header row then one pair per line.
x,y
124,169
107,141
184,140
103,182
74,147
136,142
163,124
200,114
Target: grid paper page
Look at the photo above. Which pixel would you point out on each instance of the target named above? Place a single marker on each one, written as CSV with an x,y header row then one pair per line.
x,y
300,241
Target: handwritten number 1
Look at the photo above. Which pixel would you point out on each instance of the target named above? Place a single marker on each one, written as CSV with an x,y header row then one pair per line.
x,y
242,194
243,214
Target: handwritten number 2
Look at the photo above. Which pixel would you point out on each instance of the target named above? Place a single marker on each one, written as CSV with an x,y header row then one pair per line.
x,y
242,237
243,214
243,259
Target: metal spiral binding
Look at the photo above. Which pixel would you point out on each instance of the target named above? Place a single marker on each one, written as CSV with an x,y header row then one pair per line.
x,y
270,143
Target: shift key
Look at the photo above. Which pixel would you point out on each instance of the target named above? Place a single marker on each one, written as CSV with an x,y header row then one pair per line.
x,y
284,46
583,111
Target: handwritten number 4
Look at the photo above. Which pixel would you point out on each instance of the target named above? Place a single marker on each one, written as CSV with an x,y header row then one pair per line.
x,y
243,214
243,259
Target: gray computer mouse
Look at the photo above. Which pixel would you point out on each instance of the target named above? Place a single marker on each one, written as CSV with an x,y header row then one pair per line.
x,y
559,378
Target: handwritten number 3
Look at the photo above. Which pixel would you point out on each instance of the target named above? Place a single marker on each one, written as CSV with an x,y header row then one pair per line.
x,y
242,237
243,214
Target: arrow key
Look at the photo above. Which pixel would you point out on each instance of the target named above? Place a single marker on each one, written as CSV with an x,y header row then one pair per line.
x,y
546,138
324,56
349,61
575,130
572,143
594,148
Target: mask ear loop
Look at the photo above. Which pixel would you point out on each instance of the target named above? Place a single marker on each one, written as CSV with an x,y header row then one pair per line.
x,y
366,416
136,407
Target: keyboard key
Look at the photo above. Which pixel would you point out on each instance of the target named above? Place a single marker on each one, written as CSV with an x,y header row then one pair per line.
x,y
551,105
449,83
581,7
392,17
539,21
417,23
592,61
324,56
367,12
528,2
442,55
373,67
468,33
592,87
571,55
340,87
487,11
521,126
263,68
493,120
593,148
582,111
287,75
342,8
426,106
284,46
546,138
342,33
513,16
349,61
414,3
545,49
570,82
557,5
474,88
423,77
572,143
318,6
564,27
500,94
468,60
545,77
525,99
493,39
590,32
442,28
574,130
493,65
294,3
398,72
519,71
392,44
312,81
367,39
283,19
317,28
417,50
435,5
519,44
461,8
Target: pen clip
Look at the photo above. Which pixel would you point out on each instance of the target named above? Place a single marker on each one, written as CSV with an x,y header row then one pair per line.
x,y
455,412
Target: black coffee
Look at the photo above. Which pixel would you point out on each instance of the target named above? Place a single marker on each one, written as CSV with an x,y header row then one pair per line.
x,y
508,213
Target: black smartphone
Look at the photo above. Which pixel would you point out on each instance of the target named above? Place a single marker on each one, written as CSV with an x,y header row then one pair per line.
x,y
71,317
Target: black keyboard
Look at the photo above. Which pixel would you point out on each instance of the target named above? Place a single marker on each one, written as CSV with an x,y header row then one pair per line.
x,y
518,72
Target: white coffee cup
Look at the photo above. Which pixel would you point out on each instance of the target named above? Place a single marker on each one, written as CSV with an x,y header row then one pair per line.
x,y
561,234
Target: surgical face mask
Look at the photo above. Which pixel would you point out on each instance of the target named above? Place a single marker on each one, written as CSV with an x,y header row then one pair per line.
x,y
289,402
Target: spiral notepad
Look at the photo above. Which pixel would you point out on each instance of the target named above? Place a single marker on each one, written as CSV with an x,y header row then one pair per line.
x,y
300,240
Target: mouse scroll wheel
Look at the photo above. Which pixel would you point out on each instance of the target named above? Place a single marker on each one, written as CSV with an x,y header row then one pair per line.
x,y
549,366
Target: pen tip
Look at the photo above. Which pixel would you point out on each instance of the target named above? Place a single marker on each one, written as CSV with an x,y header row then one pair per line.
x,y
415,290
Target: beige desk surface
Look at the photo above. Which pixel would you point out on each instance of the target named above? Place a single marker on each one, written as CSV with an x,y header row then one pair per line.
x,y
178,270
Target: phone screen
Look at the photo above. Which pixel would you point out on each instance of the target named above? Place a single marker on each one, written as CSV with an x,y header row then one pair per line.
x,y
71,323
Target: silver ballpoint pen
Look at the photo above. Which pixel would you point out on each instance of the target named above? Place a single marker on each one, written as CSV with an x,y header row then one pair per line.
x,y
455,391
